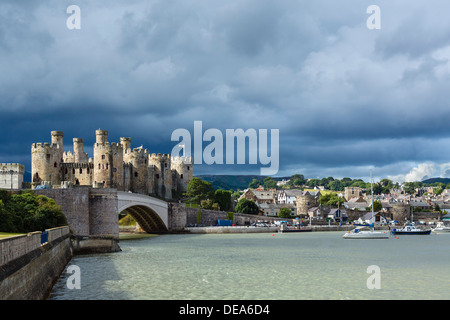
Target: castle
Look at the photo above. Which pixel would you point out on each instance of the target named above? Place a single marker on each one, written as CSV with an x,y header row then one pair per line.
x,y
114,165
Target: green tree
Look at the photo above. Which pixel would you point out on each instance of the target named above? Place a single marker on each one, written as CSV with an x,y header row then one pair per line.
x,y
27,212
198,190
223,198
376,206
255,183
247,206
297,180
330,199
284,213
270,183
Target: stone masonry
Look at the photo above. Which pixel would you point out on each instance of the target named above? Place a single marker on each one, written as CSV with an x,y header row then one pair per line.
x,y
114,165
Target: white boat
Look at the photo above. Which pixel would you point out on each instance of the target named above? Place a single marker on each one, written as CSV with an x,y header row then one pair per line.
x,y
369,233
441,228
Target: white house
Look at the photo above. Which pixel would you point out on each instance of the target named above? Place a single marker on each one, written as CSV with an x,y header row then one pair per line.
x,y
375,218
288,196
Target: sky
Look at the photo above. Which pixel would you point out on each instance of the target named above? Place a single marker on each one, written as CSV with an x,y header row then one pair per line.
x,y
345,98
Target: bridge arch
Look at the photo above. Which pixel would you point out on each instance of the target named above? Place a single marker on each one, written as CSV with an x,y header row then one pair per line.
x,y
150,213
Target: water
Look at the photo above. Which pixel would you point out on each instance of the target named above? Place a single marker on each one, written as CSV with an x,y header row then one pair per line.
x,y
317,265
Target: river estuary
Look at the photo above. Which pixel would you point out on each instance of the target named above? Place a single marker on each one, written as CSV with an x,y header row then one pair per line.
x,y
300,266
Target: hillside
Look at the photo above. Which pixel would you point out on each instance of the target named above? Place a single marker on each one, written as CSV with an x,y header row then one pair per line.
x,y
233,182
441,180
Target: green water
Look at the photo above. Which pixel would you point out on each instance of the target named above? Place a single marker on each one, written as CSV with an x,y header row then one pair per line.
x,y
317,265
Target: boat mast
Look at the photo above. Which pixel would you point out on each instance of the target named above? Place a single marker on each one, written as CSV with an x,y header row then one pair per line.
x,y
371,189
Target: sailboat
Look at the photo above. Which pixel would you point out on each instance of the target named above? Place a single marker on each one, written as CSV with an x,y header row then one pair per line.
x,y
367,232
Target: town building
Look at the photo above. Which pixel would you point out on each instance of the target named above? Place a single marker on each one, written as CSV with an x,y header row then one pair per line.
x,y
11,176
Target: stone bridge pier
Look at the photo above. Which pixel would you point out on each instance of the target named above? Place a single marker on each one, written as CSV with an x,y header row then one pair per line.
x,y
95,211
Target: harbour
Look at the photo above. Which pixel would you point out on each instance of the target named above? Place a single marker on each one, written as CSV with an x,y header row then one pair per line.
x,y
272,266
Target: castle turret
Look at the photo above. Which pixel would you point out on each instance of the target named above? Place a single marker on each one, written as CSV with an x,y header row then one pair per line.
x,y
126,143
102,159
46,159
162,174
78,153
182,172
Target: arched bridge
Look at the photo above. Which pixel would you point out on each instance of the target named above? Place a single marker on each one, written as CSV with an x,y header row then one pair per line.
x,y
150,213
95,211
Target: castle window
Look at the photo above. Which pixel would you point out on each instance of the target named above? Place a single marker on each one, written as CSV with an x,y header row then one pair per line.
x,y
55,164
165,165
181,176
99,166
47,156
103,157
114,169
188,168
107,166
88,170
73,171
157,176
81,170
135,174
66,171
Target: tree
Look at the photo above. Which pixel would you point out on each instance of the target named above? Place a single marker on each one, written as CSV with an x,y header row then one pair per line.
x,y
27,212
247,206
330,199
209,204
270,183
297,180
198,190
376,206
223,198
284,213
255,183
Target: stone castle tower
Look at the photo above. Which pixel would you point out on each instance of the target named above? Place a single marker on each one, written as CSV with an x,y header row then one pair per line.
x,y
114,165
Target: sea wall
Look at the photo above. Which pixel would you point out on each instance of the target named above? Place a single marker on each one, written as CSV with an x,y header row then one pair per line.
x,y
29,268
181,217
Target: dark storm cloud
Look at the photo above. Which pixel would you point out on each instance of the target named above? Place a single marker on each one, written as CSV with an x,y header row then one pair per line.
x,y
344,98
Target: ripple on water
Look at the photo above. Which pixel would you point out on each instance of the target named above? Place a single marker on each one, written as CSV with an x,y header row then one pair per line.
x,y
318,265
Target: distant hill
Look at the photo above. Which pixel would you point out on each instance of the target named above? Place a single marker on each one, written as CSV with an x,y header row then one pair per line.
x,y
441,180
233,182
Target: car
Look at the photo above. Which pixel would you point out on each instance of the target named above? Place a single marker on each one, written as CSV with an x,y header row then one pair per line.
x,y
42,186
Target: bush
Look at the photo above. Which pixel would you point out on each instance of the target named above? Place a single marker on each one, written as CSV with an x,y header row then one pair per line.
x,y
247,206
27,212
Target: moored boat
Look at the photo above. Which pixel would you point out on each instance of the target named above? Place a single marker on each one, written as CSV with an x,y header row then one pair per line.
x,y
360,233
410,229
367,231
441,228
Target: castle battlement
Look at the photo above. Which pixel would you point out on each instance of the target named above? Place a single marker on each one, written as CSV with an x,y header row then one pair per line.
x,y
113,165
184,160
159,157
16,167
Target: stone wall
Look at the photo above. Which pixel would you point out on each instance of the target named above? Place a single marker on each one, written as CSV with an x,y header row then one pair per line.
x,y
28,269
89,211
181,216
